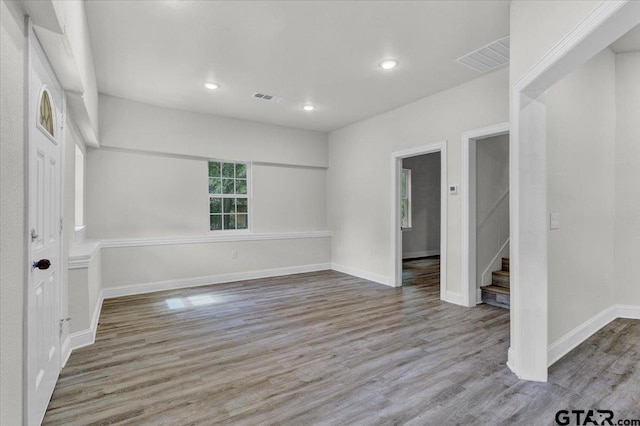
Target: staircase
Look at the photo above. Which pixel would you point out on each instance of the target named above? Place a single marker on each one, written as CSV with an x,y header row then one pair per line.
x,y
498,293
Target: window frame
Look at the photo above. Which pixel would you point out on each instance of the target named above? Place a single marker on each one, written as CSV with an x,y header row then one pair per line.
x,y
248,197
407,197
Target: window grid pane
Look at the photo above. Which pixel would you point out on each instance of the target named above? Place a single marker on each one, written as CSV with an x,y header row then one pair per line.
x,y
228,202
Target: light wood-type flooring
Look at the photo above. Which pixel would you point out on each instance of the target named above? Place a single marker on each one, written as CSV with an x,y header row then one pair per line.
x,y
327,348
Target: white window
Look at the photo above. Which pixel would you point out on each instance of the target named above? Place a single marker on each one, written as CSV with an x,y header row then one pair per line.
x,y
79,210
405,198
228,195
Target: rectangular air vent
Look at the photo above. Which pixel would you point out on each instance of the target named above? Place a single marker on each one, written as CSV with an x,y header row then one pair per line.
x,y
268,98
488,58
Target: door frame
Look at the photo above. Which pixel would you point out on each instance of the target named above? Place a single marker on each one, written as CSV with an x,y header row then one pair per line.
x,y
396,231
35,48
469,231
608,21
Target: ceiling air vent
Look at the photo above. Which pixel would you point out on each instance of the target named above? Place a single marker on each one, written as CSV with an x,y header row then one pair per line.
x,y
268,98
488,58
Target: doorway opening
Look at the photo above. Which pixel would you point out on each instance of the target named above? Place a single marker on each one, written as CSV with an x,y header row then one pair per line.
x,y
486,234
420,220
419,217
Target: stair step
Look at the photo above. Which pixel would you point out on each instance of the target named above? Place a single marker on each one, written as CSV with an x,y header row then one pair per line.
x,y
496,289
505,264
501,278
496,296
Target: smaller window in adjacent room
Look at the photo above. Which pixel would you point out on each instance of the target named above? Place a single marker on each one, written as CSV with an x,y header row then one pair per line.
x,y
405,200
79,188
228,195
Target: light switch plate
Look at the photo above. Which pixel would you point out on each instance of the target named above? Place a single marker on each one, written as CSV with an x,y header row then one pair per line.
x,y
453,189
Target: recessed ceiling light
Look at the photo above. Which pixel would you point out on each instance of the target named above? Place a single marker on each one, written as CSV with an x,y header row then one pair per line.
x,y
388,64
308,107
212,86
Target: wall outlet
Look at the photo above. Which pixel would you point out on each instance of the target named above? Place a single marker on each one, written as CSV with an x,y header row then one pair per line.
x,y
234,254
554,220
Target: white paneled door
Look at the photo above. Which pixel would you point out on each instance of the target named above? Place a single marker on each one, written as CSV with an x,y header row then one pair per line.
x,y
45,232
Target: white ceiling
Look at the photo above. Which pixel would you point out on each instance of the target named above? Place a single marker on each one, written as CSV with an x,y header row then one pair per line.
x,y
321,52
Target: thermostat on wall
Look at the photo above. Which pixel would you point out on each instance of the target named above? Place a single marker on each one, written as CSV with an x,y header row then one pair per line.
x,y
453,189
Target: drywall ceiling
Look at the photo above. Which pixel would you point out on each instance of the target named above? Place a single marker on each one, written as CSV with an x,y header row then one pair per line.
x,y
321,52
629,42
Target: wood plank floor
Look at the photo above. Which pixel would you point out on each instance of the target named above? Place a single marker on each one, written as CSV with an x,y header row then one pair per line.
x,y
327,348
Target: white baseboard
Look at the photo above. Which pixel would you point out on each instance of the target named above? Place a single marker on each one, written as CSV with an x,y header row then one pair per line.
x,y
478,296
628,311
365,275
511,360
83,338
569,341
416,254
65,351
87,337
152,287
452,297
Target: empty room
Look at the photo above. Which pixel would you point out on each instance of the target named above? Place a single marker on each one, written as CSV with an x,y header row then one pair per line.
x,y
319,212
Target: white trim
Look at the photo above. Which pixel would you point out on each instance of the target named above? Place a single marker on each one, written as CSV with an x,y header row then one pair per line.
x,y
203,158
416,254
152,287
396,231
628,311
592,35
82,254
65,352
453,297
365,275
575,337
493,265
288,166
493,208
83,338
469,224
528,211
213,238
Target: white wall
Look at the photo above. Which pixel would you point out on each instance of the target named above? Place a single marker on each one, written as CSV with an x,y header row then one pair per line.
x,y
205,263
536,26
73,59
580,179
149,180
140,195
84,295
77,30
359,178
423,239
627,177
135,125
492,206
13,257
